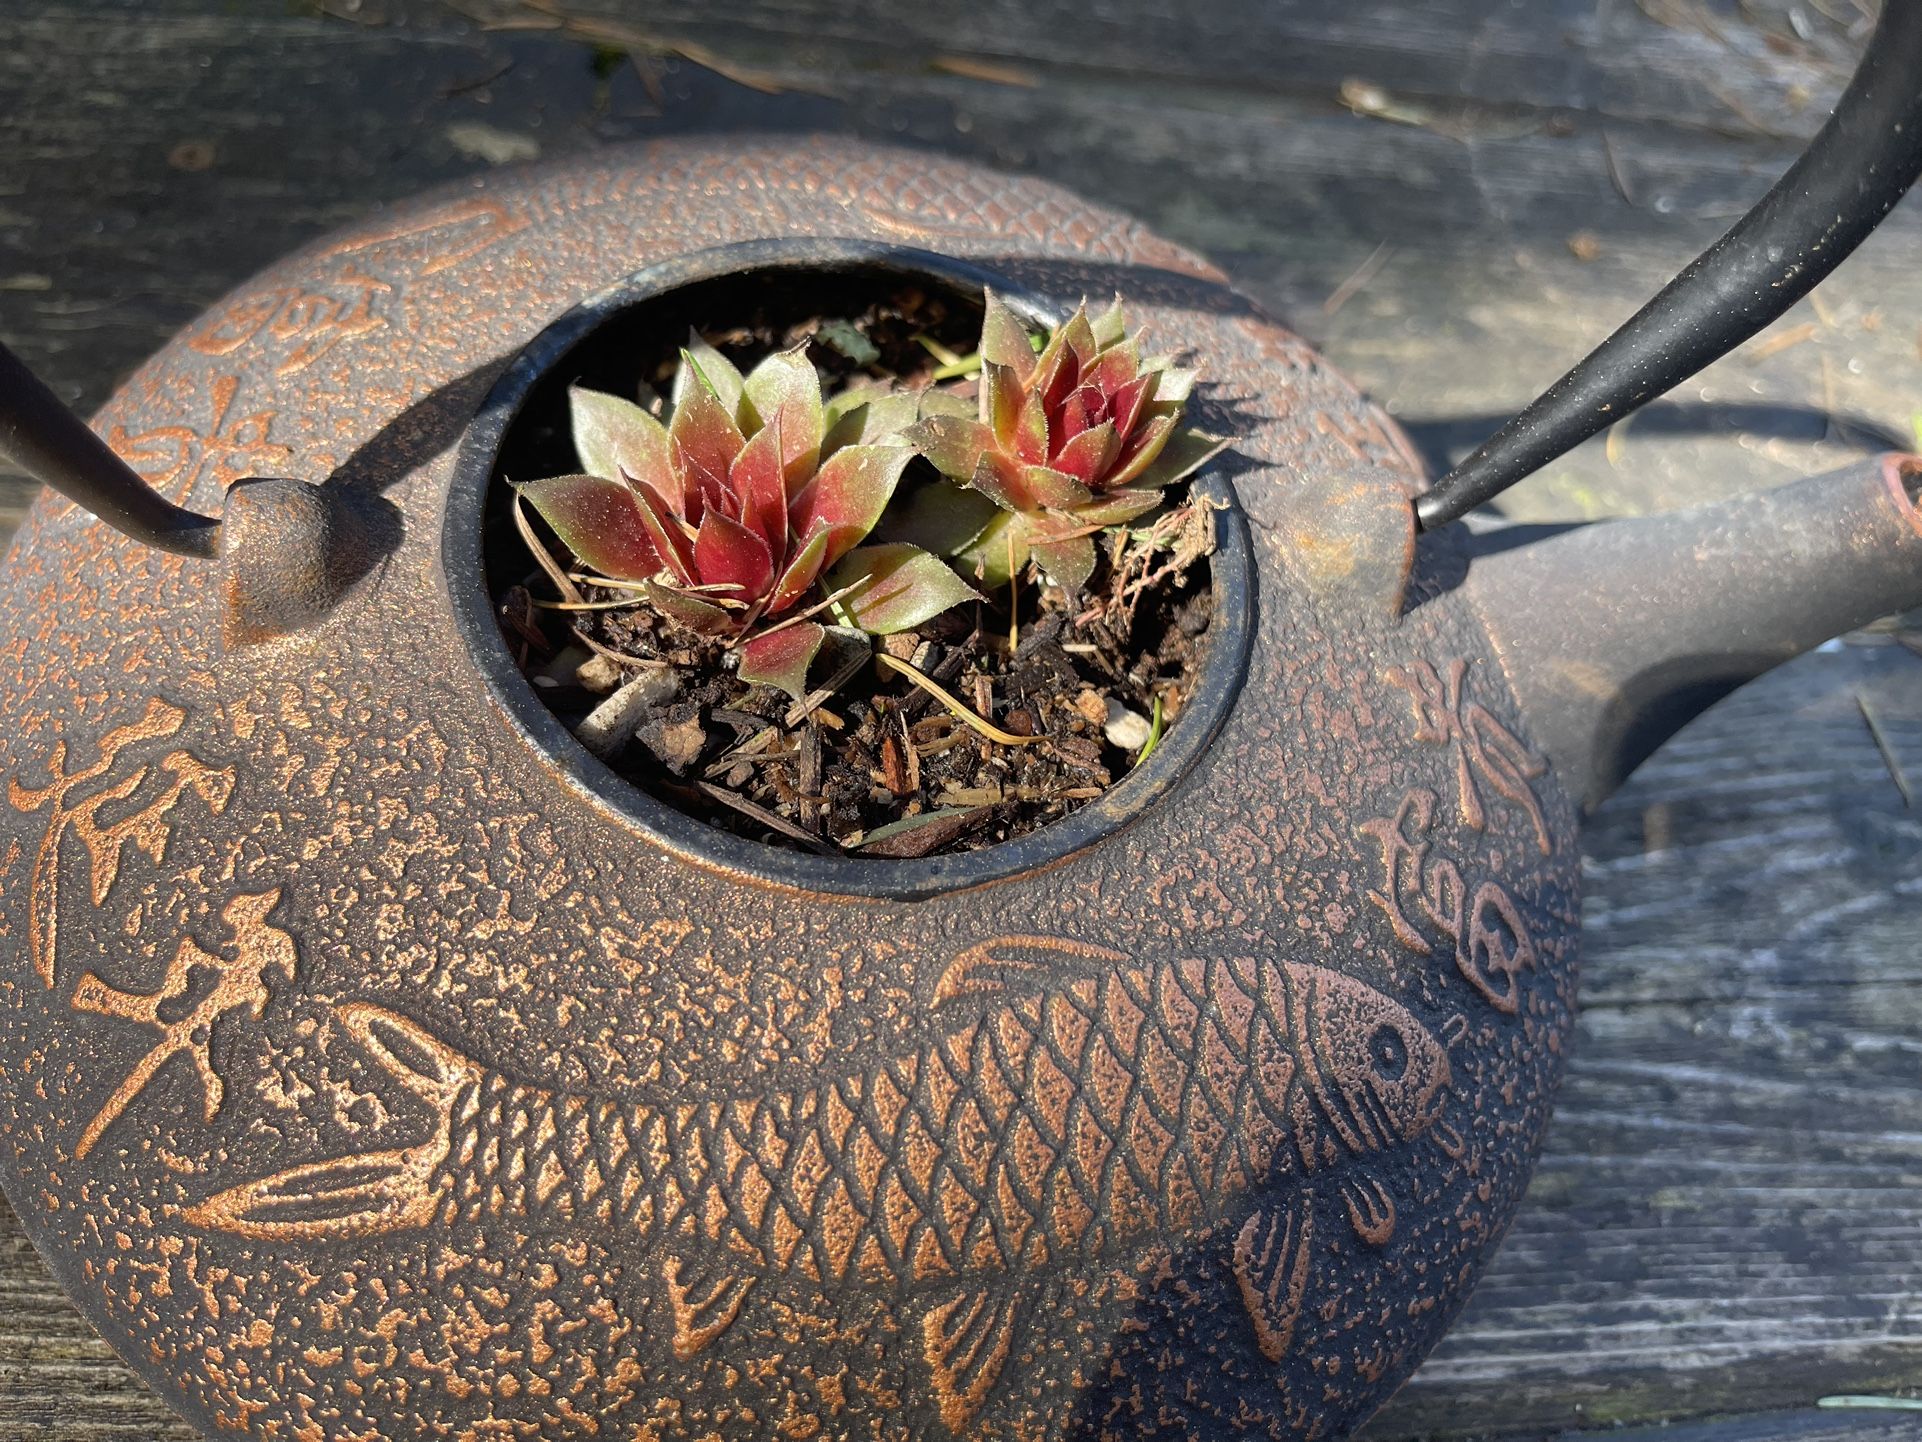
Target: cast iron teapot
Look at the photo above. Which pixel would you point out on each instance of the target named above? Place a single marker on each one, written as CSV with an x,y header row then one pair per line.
x,y
375,1063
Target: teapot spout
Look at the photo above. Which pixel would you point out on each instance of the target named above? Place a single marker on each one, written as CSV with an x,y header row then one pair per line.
x,y
1616,635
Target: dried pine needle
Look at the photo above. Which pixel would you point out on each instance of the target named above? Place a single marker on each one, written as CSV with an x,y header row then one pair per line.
x,y
949,700
626,605
539,552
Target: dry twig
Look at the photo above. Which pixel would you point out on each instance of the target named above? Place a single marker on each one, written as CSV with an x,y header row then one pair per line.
x,y
766,818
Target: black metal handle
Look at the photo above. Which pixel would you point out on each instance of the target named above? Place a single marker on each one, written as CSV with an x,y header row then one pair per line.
x,y
53,445
1854,171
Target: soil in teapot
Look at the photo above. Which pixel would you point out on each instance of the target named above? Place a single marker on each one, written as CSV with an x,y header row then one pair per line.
x,y
1049,700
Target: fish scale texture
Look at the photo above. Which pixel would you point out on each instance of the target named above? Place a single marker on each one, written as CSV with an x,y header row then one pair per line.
x,y
1040,1128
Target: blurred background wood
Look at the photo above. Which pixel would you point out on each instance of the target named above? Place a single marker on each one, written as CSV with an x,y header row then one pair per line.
x,y
1454,198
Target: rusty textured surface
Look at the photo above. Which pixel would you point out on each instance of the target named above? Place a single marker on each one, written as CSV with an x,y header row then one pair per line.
x,y
362,1081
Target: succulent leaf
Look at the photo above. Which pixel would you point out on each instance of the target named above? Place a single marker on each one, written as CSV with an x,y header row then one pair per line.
x,y
703,441
727,553
940,518
1173,383
1054,490
1055,373
615,437
1143,446
1031,437
1184,452
599,520
1078,336
1001,398
869,417
757,478
1111,326
1114,508
1082,408
847,495
701,362
781,658
899,588
1001,482
1089,454
666,530
1004,340
1067,563
944,403
1113,368
801,572
1126,405
785,385
850,398
953,444
995,552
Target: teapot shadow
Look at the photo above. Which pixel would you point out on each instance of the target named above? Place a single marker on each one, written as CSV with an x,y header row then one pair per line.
x,y
426,428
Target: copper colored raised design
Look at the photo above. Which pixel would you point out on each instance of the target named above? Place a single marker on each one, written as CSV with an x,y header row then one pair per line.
x,y
373,1066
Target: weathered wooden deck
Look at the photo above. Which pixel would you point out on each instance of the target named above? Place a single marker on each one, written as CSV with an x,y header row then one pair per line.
x,y
1452,197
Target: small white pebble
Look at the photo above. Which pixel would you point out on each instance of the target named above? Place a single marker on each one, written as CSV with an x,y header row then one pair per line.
x,y
598,674
1126,729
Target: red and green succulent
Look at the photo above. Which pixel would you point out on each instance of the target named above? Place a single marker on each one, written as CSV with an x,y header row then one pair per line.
x,y
742,516
735,513
1081,437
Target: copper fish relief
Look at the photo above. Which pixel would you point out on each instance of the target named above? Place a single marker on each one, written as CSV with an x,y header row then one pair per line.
x,y
1037,1131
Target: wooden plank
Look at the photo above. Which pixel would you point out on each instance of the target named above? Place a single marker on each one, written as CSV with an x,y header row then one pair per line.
x,y
303,122
1771,69
1725,1219
1726,1215
1797,1426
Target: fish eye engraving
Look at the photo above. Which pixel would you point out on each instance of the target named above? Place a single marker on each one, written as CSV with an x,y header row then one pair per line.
x,y
1389,1052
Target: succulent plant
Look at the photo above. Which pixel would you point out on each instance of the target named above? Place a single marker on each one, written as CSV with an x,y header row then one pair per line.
x,y
1083,436
732,514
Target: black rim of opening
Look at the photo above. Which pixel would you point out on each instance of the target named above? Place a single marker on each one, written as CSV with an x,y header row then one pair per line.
x,y
1222,669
